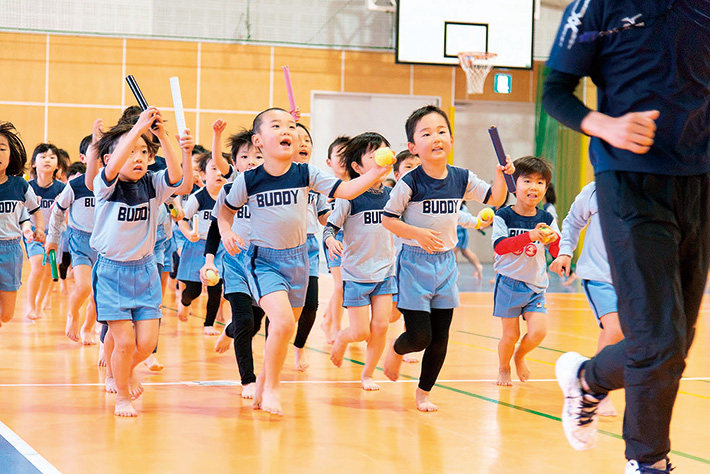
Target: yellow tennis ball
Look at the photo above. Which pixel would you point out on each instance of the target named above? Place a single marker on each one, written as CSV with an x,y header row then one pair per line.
x,y
384,156
212,277
486,214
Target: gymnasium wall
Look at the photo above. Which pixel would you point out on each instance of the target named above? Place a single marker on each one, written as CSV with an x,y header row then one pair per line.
x,y
55,86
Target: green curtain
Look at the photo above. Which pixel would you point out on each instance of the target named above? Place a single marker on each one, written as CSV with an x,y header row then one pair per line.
x,y
560,146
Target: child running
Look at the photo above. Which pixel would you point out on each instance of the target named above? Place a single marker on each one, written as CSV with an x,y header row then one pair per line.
x,y
367,259
423,210
125,278
18,204
277,194
520,234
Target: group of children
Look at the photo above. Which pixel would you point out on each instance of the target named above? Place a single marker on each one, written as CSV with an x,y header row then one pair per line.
x,y
248,234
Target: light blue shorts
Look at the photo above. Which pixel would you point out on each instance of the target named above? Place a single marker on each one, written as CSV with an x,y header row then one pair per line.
x,y
313,255
462,235
272,270
179,239
10,265
126,290
34,248
333,262
79,248
191,260
360,294
602,298
427,281
63,245
168,250
513,298
234,273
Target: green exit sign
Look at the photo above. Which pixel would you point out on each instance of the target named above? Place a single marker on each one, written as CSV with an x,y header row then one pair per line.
x,y
502,83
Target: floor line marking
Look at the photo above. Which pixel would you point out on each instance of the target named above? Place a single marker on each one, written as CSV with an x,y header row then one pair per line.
x,y
26,450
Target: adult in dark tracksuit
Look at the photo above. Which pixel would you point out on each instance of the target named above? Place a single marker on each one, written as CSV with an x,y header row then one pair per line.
x,y
650,149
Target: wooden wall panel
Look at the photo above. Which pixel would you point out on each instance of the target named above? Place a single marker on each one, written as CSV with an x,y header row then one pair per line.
x,y
66,126
521,91
84,70
433,80
375,73
235,123
29,122
22,57
311,69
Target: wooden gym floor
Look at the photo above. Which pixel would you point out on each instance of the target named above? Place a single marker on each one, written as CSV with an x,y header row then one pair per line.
x,y
192,418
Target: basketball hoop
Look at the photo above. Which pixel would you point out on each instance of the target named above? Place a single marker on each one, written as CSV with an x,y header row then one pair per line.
x,y
476,66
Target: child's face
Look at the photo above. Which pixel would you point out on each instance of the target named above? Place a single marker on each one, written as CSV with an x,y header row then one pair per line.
x,y
368,162
197,174
334,162
136,165
212,177
4,154
248,157
432,139
277,137
305,148
46,163
406,166
530,189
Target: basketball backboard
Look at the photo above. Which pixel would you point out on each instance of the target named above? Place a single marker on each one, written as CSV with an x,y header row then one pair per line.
x,y
435,31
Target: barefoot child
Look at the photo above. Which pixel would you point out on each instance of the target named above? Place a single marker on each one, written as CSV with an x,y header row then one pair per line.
x,y
520,234
45,185
16,198
277,194
125,278
246,316
367,259
593,269
423,210
78,201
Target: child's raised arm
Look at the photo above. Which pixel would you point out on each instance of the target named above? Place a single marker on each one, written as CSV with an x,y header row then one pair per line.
x,y
92,157
355,187
172,159
124,148
187,144
217,128
499,190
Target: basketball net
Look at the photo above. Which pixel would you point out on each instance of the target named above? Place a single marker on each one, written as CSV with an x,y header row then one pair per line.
x,y
476,66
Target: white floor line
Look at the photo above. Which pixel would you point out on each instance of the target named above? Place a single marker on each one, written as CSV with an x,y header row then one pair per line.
x,y
26,450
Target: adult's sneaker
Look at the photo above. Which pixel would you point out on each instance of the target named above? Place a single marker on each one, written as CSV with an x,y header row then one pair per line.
x,y
633,467
579,414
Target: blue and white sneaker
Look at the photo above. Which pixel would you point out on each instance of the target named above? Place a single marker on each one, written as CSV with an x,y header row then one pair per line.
x,y
633,467
579,414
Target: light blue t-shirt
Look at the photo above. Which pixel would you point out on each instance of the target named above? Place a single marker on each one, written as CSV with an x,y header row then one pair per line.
x,y
80,202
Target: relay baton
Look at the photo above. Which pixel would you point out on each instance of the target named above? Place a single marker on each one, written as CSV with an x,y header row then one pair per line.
x,y
173,210
53,265
289,90
177,105
195,222
498,146
142,103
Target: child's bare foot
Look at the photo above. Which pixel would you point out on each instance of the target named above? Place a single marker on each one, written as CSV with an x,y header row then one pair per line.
x,y
271,402
393,362
63,287
136,388
521,368
423,403
182,311
110,384
88,338
33,315
152,363
325,326
72,328
478,274
102,355
410,359
504,379
223,343
337,352
300,359
368,384
211,331
258,392
124,407
606,407
248,390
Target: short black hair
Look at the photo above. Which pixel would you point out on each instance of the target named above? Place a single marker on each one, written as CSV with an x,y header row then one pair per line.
x,y
358,146
198,150
84,145
337,143
299,124
63,160
256,125
237,141
532,165
130,115
202,160
18,154
76,168
110,139
400,158
44,148
419,114
550,195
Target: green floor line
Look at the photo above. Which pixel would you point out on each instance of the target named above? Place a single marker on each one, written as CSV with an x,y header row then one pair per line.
x,y
498,339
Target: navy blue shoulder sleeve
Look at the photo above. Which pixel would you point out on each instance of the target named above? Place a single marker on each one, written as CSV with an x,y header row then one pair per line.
x,y
559,100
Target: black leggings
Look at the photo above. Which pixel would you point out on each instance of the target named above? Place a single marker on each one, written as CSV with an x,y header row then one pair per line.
x,y
308,314
64,265
214,295
428,332
246,322
176,264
